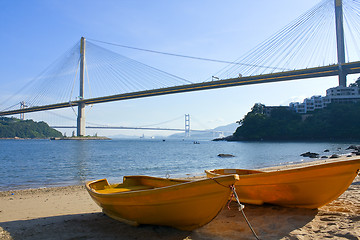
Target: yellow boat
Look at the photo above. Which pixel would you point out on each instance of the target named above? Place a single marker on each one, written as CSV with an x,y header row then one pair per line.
x,y
305,187
182,204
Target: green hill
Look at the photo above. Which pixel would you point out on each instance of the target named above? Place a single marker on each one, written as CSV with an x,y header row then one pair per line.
x,y
13,127
335,122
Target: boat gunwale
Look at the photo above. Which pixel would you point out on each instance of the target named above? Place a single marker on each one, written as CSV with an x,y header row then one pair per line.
x,y
156,189
289,171
298,177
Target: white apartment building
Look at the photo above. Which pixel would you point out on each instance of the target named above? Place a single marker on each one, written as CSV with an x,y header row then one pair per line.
x,y
333,95
343,94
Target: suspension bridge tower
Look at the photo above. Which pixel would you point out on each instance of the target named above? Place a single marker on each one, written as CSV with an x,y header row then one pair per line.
x,y
187,125
80,128
340,41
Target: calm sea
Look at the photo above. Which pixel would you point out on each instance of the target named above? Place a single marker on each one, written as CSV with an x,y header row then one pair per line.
x,y
43,163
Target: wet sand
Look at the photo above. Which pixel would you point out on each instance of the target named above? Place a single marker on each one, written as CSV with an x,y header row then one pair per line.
x,y
70,213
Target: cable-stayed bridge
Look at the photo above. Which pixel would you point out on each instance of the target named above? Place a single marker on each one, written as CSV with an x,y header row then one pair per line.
x,y
321,42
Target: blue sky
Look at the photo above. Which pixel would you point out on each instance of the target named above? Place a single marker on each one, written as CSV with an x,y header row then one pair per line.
x,y
34,33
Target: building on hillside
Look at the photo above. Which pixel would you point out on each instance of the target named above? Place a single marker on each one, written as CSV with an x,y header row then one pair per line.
x,y
338,94
344,94
310,104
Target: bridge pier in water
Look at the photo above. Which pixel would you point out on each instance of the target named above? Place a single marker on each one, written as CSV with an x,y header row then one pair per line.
x,y
80,128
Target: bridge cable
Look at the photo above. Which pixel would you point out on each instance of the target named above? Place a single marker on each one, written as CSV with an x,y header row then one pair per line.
x,y
35,80
90,92
277,49
125,73
171,120
73,86
185,56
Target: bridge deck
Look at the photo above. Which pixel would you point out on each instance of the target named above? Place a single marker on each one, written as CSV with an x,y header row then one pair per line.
x,y
332,70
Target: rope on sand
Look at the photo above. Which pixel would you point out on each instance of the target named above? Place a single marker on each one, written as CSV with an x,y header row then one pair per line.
x,y
241,207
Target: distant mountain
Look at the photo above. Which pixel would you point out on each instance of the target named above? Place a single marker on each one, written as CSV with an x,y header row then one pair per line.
x,y
16,128
225,130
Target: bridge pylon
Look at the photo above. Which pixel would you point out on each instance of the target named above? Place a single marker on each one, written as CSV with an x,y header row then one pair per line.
x,y
80,128
22,106
340,41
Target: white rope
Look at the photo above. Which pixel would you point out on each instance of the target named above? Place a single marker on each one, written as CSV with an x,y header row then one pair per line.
x,y
241,209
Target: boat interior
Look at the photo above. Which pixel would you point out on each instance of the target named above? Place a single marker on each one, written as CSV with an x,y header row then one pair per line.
x,y
132,183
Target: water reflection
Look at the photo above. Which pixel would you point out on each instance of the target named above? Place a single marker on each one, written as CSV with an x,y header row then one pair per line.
x,y
81,156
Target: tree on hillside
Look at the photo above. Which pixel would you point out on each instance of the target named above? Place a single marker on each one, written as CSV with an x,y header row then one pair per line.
x,y
337,121
13,127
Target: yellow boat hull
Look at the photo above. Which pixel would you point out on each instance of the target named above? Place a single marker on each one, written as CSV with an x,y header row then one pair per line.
x,y
305,187
185,205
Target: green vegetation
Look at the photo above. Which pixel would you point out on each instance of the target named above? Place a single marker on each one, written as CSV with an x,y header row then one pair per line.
x,y
13,127
335,122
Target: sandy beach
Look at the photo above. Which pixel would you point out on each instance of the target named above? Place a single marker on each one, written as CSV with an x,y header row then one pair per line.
x,y
70,213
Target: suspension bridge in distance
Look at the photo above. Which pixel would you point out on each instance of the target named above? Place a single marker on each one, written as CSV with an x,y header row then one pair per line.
x,y
186,129
340,69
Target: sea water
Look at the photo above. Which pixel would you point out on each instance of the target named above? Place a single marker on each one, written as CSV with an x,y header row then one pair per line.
x,y
44,163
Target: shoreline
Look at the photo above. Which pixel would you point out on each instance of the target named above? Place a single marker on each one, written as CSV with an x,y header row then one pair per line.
x,y
69,213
